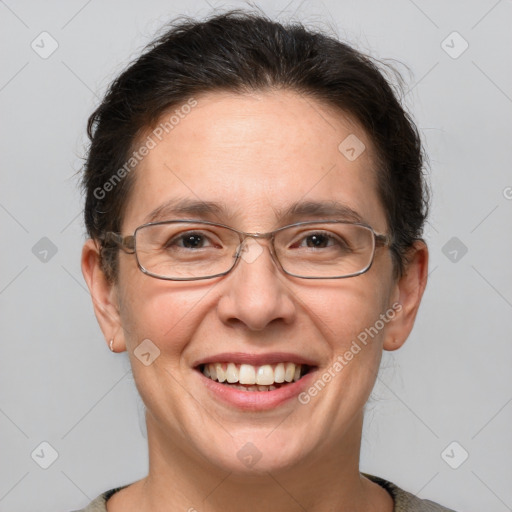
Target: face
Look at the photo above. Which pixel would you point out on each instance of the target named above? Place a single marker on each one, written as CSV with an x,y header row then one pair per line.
x,y
255,156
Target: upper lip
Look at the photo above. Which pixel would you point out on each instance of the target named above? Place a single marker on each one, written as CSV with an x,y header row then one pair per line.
x,y
255,359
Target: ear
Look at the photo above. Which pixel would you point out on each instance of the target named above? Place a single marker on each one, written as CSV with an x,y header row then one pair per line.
x,y
408,293
104,296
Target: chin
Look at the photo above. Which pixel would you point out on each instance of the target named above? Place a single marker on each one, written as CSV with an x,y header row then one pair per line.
x,y
256,453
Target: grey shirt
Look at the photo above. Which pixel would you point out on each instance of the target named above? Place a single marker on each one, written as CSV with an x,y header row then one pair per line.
x,y
404,501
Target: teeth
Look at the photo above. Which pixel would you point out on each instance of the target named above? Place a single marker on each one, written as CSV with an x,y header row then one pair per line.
x,y
232,373
279,373
247,374
251,388
255,378
221,375
289,372
265,375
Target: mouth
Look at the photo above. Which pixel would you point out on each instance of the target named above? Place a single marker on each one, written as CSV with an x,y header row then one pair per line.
x,y
250,378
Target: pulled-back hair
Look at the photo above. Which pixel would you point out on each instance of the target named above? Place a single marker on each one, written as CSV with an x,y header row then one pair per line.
x,y
240,52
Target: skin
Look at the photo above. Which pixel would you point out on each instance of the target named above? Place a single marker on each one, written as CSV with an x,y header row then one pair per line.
x,y
257,153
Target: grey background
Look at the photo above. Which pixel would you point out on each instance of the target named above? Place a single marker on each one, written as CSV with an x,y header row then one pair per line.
x,y
451,381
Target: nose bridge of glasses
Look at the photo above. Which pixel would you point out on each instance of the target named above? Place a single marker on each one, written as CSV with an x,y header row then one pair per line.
x,y
256,234
250,247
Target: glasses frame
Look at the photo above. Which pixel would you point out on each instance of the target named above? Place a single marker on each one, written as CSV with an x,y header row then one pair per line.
x,y
128,245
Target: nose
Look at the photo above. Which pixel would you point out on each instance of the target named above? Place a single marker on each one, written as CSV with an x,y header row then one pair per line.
x,y
256,293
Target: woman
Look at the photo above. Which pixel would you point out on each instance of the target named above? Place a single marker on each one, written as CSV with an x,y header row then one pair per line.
x,y
255,205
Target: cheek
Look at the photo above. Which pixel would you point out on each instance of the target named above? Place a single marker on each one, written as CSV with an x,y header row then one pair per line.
x,y
344,309
348,318
168,316
166,313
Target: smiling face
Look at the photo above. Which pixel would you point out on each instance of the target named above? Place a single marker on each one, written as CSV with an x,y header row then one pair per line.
x,y
259,162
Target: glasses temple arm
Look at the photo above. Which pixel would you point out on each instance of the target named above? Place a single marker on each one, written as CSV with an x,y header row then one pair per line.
x,y
381,240
111,239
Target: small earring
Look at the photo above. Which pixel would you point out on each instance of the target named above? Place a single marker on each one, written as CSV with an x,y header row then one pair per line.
x,y
111,343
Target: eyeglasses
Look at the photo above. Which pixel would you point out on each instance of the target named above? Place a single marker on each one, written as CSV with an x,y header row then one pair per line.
x,y
189,250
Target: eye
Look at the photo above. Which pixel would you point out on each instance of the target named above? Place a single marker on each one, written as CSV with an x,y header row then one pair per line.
x,y
190,240
321,240
318,240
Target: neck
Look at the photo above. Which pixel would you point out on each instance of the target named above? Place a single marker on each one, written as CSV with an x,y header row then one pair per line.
x,y
326,480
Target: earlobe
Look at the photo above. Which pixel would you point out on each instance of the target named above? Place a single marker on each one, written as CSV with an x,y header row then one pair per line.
x,y
103,295
408,293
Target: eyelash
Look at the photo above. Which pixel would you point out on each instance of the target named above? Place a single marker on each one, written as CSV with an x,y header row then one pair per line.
x,y
180,238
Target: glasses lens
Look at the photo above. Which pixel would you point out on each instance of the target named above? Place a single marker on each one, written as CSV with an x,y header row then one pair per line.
x,y
194,250
325,250
185,250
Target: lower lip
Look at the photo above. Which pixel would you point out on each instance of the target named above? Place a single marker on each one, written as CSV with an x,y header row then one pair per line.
x,y
257,400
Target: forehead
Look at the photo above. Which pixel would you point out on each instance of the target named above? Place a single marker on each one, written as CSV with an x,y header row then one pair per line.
x,y
256,158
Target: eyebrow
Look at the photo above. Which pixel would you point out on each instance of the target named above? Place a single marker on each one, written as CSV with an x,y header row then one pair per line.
x,y
185,206
318,209
208,209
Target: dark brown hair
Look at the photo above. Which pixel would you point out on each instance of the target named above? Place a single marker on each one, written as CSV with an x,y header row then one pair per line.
x,y
240,51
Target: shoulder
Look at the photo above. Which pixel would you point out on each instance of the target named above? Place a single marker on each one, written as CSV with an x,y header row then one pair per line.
x,y
405,501
99,503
